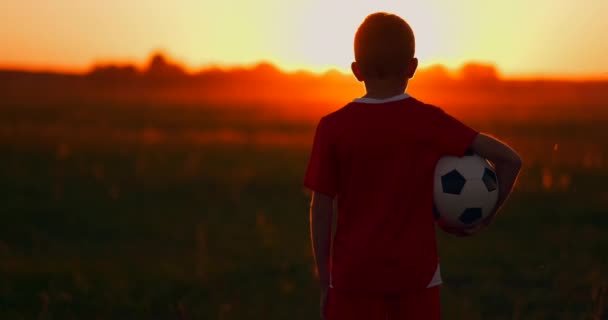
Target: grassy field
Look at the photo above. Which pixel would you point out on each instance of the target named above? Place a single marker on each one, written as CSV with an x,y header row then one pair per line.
x,y
116,212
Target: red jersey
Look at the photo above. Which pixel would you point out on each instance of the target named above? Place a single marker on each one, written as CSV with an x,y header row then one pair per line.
x,y
379,160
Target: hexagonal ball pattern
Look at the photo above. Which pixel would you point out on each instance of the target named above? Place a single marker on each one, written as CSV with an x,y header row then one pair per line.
x,y
452,182
470,215
489,179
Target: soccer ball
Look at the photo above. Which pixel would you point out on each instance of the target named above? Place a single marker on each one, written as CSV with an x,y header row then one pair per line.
x,y
465,190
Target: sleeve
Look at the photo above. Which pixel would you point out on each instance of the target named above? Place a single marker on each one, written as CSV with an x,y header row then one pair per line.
x,y
321,174
453,137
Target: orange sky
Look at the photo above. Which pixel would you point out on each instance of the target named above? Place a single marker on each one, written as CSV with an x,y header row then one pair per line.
x,y
523,37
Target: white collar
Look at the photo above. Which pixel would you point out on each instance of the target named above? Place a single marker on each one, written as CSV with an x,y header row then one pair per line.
x,y
398,97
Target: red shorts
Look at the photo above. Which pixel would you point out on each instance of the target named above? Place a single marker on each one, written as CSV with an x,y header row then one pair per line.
x,y
423,304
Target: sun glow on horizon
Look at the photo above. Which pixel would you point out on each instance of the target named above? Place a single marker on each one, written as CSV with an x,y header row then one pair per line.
x,y
520,37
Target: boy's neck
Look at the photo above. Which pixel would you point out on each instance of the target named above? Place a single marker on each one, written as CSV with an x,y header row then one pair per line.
x,y
383,90
382,95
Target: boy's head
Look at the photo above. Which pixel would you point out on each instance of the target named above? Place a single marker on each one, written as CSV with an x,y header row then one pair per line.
x,y
384,49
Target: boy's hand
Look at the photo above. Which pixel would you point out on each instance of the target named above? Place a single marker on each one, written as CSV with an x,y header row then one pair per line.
x,y
463,232
459,232
323,304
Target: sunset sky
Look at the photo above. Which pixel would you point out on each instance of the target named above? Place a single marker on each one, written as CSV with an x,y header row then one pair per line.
x,y
523,37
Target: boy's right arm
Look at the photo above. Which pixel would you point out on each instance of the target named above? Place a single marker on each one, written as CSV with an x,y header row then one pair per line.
x,y
506,161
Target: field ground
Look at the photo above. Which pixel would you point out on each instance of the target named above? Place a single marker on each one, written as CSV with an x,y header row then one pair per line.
x,y
135,215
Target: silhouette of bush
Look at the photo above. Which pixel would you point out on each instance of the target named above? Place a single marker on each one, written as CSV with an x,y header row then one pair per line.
x,y
111,72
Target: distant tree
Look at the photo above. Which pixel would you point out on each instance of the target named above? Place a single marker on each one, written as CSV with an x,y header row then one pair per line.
x,y
266,68
433,74
477,72
335,74
160,67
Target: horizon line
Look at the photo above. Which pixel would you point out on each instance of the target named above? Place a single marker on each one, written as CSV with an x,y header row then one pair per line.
x,y
82,70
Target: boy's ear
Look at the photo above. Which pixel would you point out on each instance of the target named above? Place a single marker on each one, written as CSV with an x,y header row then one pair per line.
x,y
411,69
355,68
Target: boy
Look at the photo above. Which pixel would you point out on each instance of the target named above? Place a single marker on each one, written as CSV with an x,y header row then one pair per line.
x,y
377,156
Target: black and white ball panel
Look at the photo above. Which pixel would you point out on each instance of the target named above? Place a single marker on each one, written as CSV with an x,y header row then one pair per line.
x,y
465,189
471,167
489,179
453,182
470,215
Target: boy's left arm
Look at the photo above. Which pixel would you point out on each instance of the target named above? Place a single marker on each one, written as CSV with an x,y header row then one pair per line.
x,y
321,177
321,211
